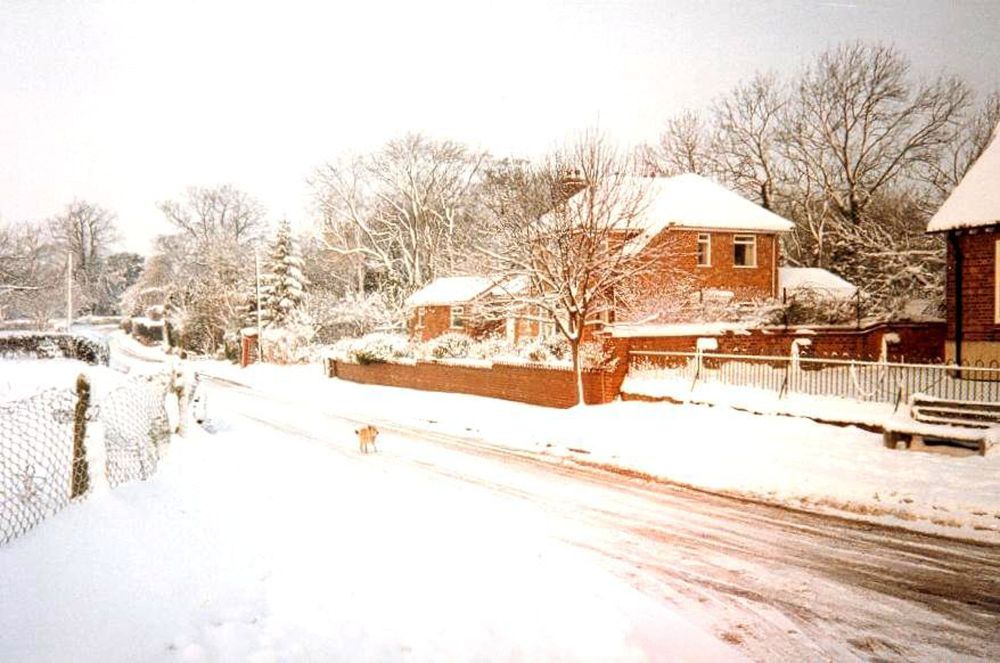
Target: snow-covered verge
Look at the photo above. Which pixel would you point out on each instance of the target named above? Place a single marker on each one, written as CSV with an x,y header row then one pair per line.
x,y
250,546
791,461
21,378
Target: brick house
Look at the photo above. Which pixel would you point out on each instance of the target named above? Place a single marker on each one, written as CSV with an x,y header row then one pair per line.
x,y
700,232
451,304
715,238
970,221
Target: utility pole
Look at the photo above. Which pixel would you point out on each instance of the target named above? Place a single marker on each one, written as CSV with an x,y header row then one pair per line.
x,y
260,329
69,291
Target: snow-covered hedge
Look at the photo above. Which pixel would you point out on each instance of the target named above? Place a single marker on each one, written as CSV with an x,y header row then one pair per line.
x,y
459,348
147,330
450,346
374,348
288,345
89,348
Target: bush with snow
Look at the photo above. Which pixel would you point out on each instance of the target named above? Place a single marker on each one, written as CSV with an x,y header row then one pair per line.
x,y
449,346
378,347
288,345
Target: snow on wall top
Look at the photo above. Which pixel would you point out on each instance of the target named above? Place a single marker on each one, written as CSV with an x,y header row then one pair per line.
x,y
976,200
693,201
814,278
451,290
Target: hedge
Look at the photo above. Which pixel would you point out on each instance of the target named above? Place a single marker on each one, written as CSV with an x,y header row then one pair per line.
x,y
47,345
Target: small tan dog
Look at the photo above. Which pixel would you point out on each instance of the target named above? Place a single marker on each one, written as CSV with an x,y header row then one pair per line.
x,y
367,436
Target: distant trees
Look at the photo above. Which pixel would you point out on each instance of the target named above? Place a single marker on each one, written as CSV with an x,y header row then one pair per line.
x,y
221,213
399,217
33,262
854,149
201,273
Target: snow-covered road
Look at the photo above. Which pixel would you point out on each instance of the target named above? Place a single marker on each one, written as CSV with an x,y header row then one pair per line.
x,y
774,582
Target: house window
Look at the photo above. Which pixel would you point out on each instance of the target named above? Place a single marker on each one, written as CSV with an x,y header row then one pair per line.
x,y
745,250
456,317
704,250
420,317
996,283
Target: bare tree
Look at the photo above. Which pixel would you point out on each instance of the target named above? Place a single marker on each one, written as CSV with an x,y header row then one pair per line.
x,y
220,213
747,127
975,134
85,230
32,272
684,146
860,124
404,212
569,261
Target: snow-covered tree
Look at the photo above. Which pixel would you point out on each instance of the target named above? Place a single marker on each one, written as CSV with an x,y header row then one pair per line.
x,y
284,285
566,265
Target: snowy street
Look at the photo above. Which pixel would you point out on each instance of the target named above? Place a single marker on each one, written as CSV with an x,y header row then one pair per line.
x,y
266,535
774,582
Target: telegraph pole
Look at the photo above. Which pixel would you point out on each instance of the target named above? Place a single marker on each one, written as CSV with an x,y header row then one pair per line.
x,y
260,329
69,291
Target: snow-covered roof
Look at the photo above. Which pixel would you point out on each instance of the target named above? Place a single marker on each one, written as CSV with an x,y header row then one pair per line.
x,y
451,290
693,201
814,278
976,200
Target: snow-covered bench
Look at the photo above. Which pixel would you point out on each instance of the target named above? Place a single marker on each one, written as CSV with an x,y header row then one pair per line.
x,y
970,424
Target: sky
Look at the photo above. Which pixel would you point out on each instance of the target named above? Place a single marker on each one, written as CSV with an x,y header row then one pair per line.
x,y
127,104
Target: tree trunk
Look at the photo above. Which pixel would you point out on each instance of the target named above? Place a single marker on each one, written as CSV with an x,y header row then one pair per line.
x,y
574,346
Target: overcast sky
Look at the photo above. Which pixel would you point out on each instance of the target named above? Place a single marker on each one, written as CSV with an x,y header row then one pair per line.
x,y
128,103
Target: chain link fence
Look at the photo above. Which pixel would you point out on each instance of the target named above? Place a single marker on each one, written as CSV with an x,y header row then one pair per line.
x,y
44,439
136,427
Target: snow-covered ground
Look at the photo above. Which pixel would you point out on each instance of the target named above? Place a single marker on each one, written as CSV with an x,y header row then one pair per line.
x,y
21,378
786,460
252,545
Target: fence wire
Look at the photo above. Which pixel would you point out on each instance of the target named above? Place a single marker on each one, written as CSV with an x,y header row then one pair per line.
x,y
37,446
36,459
136,428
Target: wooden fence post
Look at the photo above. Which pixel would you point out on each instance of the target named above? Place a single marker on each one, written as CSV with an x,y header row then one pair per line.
x,y
80,477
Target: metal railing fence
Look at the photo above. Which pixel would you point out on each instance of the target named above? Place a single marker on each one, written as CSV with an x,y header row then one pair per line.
x,y
868,381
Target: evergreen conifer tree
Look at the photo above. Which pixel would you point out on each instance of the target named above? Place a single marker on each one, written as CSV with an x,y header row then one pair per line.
x,y
284,286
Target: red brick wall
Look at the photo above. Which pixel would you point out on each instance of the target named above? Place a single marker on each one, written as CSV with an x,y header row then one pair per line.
x,y
527,384
919,342
978,287
677,250
551,387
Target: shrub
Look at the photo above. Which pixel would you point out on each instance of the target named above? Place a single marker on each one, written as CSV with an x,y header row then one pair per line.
x,y
287,345
378,348
46,345
450,346
594,355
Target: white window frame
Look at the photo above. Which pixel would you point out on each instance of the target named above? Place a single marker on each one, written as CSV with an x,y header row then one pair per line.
x,y
420,317
706,240
996,282
455,315
741,240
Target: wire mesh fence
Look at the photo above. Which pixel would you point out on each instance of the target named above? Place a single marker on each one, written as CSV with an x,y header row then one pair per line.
x,y
36,459
867,381
43,441
136,427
